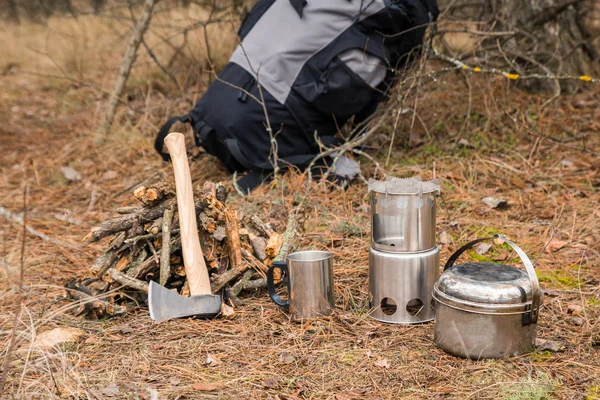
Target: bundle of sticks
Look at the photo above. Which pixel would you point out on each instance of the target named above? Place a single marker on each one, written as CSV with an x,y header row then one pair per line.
x,y
145,245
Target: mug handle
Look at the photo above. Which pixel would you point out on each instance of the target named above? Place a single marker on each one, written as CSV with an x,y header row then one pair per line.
x,y
282,265
535,285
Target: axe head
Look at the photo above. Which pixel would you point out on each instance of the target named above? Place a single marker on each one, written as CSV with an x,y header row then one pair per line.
x,y
165,304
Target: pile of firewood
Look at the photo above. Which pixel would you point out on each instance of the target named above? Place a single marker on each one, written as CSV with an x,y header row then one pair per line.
x,y
145,245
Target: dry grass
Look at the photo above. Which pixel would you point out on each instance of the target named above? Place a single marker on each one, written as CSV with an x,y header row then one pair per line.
x,y
514,151
88,49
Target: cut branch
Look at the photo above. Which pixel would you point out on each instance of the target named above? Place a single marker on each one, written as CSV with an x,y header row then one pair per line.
x,y
128,281
165,256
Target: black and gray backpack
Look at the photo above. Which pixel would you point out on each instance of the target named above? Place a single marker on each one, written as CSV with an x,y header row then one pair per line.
x,y
318,62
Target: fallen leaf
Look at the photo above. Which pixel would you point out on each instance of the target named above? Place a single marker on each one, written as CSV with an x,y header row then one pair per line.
x,y
552,345
567,163
109,175
445,238
483,211
369,353
382,363
577,321
416,140
124,329
153,393
551,293
91,339
48,339
575,309
88,163
206,387
174,381
555,245
70,174
454,224
286,358
271,383
212,360
494,202
110,390
465,143
483,248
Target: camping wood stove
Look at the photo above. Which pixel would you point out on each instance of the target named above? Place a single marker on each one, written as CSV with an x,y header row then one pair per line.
x,y
403,257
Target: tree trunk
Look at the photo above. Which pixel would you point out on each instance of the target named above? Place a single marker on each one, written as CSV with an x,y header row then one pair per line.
x,y
128,60
97,5
13,12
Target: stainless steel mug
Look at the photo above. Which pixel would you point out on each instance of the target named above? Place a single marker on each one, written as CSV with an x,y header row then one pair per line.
x,y
310,284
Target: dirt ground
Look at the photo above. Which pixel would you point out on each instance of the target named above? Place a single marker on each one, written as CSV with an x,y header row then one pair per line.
x,y
481,135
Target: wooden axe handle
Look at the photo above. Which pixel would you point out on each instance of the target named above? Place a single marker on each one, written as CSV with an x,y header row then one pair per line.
x,y
195,266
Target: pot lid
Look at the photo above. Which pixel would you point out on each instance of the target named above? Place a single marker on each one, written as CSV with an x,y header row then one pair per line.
x,y
486,285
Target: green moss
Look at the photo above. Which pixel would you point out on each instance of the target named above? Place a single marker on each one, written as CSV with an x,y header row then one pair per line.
x,y
432,150
356,226
594,302
541,356
481,257
439,126
558,278
538,388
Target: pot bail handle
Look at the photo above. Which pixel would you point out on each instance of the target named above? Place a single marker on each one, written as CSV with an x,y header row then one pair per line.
x,y
466,247
535,285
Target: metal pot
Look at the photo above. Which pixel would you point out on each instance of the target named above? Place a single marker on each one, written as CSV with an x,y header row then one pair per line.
x,y
400,285
403,215
486,310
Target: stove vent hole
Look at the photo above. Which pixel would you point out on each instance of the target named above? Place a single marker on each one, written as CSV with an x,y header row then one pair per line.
x,y
388,306
414,306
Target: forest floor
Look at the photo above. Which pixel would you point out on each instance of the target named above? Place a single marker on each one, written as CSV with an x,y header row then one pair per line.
x,y
483,136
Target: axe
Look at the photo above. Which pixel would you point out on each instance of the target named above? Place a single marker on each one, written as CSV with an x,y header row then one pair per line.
x,y
164,303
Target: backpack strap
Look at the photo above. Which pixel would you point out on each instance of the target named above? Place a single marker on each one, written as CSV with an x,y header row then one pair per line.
x,y
164,131
300,160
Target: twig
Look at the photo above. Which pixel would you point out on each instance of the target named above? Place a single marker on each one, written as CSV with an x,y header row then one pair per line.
x,y
260,266
154,57
289,235
19,219
255,284
349,145
237,187
229,275
128,281
93,198
239,285
128,188
165,253
103,262
236,300
126,222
